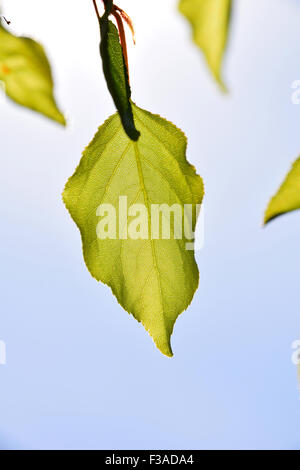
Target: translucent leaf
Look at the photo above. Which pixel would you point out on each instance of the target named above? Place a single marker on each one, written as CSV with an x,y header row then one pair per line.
x,y
153,278
287,199
210,24
26,75
116,74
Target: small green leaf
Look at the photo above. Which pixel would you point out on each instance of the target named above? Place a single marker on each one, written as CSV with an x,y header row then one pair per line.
x,y
210,21
116,74
26,75
153,278
287,199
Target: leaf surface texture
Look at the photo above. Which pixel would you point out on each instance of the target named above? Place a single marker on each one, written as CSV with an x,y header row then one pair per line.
x,y
154,279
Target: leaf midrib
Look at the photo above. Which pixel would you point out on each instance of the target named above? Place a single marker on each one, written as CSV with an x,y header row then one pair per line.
x,y
146,199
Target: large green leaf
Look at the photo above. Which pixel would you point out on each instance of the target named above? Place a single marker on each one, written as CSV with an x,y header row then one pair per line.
x,y
210,24
26,75
115,72
154,278
287,198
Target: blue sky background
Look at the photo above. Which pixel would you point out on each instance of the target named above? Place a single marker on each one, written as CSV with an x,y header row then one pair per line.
x,y
81,373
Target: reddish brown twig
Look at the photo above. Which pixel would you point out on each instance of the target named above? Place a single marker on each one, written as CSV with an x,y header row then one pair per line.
x,y
6,21
127,19
96,9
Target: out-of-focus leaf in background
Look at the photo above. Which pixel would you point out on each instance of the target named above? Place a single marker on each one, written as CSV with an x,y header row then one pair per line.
x,y
153,277
287,198
26,74
210,21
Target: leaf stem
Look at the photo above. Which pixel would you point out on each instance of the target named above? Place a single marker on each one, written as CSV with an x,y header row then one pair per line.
x,y
6,21
96,9
127,19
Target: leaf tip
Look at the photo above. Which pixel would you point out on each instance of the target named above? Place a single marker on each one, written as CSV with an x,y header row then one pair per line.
x,y
222,86
165,349
270,216
61,120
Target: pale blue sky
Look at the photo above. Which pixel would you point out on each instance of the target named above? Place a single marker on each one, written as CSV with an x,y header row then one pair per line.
x,y
81,373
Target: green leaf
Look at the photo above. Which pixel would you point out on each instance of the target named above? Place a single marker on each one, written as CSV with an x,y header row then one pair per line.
x,y
287,199
210,21
116,74
26,75
153,279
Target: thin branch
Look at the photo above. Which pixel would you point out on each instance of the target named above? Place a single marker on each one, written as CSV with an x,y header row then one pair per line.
x,y
96,9
6,21
127,19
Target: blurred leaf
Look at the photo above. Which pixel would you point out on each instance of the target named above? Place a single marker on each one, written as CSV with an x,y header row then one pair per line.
x,y
116,74
210,21
154,279
26,74
287,199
